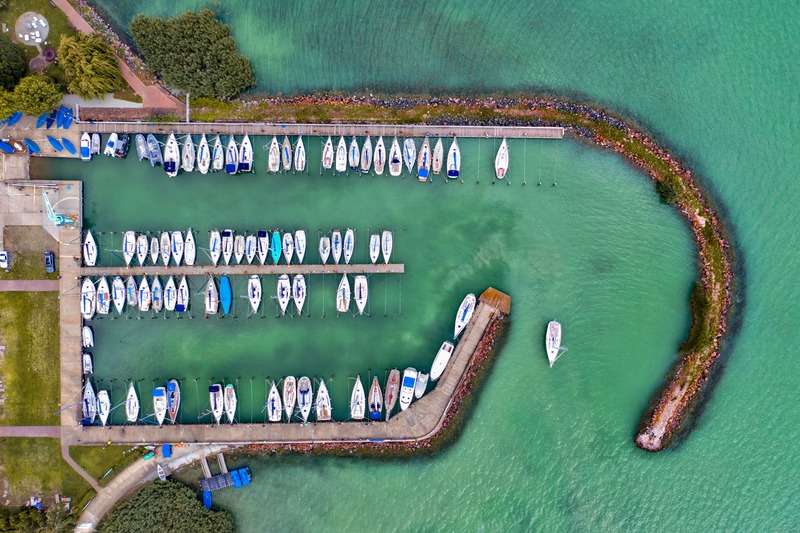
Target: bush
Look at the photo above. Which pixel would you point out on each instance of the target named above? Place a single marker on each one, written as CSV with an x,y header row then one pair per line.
x,y
36,94
91,67
193,52
6,103
12,64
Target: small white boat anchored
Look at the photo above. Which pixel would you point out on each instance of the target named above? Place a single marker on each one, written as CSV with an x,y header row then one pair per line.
x,y
103,406
358,401
366,156
217,155
166,247
212,297
250,248
111,145
230,402
300,245
157,295
324,249
375,400
89,406
283,292
216,401
552,342
299,292
289,395
254,292
386,245
87,336
172,155
424,160
407,387
96,142
441,360
305,395
170,294
103,297
238,248
464,314
299,156
142,247
274,406
188,154
348,245
374,247
323,403
288,247
422,384
379,162
327,154
177,247
141,146
160,404
88,366
118,294
154,250
501,161
131,292
86,151
341,155
132,405
144,295
88,294
203,155
214,246
263,245
409,154
189,248
361,293
343,295
231,157
454,160
227,245
128,247
336,245
438,157
182,298
245,155
286,154
274,162
353,156
395,159
89,250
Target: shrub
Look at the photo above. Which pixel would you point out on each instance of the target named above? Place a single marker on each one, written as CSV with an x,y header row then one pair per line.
x,y
36,94
12,64
91,67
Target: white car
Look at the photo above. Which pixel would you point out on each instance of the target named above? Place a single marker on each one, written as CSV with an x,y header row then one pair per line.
x,y
3,259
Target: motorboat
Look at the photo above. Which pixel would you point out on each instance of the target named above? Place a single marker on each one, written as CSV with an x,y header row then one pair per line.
x,y
216,401
88,303
177,247
171,156
173,399
374,247
87,336
250,248
289,395
227,245
379,157
366,155
300,156
160,404
96,143
254,292
390,392
111,145
189,248
131,292
358,401
156,295
144,295
288,247
375,400
327,154
360,293
299,292
86,149
305,395
274,162
154,250
103,406
283,292
422,383
424,160
212,297
336,245
407,387
154,151
142,247
231,157
230,402
441,360
300,244
132,404
214,246
437,159
409,154
343,295
395,159
274,405
89,250
454,160
348,245
386,245
353,155
217,155
263,245
170,294
286,154
162,474
187,163
276,246
552,341
128,247
182,298
89,406
103,297
118,294
141,147
121,150
501,161
225,294
246,155
323,403
88,366
324,249
464,314
203,155
238,248
166,247
341,155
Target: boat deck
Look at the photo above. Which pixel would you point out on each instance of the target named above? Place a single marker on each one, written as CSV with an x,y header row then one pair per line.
x,y
228,270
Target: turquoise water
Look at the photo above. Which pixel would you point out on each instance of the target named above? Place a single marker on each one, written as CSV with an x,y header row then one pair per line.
x,y
544,449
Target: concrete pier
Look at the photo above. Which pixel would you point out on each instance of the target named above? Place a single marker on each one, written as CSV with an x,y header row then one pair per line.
x,y
228,270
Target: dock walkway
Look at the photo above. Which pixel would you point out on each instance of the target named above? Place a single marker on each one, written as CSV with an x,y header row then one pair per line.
x,y
229,270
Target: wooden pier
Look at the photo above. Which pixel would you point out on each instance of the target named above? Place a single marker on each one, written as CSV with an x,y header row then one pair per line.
x,y
324,130
245,270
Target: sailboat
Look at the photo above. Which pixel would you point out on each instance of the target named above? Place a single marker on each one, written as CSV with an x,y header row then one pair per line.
x,y
283,292
407,387
230,402
386,245
324,249
182,298
173,399
189,248
188,154
390,394
132,404
300,155
304,397
153,150
154,250
160,404
354,154
424,160
289,395
103,297
454,160
212,297
336,245
89,406
288,247
323,403
274,163
216,401
441,360
375,400
177,247
327,154
501,161
366,155
250,248
361,293
227,245
374,247
422,383
103,406
217,155
214,246
245,155
118,294
131,292
552,341
171,156
343,295
276,246
128,247
144,295
274,406
88,304
170,294
348,245
263,245
254,292
300,244
395,159
89,250
438,157
358,401
156,294
141,248
409,154
238,248
464,314
225,294
379,156
166,247
231,157
299,292
286,154
203,155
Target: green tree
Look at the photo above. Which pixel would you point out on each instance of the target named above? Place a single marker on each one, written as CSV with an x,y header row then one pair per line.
x,y
6,103
36,94
12,64
91,66
193,52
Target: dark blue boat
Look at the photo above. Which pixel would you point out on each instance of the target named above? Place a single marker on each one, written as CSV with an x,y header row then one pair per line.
x,y
42,120
55,144
13,119
52,118
32,146
7,148
225,294
68,145
62,115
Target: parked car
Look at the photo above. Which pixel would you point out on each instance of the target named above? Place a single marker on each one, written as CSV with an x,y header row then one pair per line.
x,y
3,259
49,262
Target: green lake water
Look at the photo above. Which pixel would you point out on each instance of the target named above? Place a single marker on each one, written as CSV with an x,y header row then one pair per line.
x,y
543,449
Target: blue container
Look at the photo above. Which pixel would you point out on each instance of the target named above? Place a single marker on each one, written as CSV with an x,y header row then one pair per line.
x,y
166,451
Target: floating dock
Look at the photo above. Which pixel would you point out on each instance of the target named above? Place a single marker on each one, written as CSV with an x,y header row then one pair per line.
x,y
236,478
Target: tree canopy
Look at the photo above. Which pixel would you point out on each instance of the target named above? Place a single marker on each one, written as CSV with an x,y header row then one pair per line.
x,y
165,506
193,52
91,66
36,94
6,103
12,64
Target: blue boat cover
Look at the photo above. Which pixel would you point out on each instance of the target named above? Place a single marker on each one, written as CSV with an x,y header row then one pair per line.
x,y
158,392
276,247
237,481
68,119
13,119
207,499
409,382
85,152
7,148
32,146
225,294
244,475
52,118
68,145
166,450
62,115
42,120
55,144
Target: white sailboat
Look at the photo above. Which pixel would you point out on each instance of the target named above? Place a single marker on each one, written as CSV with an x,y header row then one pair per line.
x,y
424,160
387,241
203,155
177,247
288,247
348,245
343,295
156,295
299,292
142,247
166,247
89,250
353,156
501,161
263,245
464,314
366,155
305,395
216,401
379,157
227,245
238,248
172,155
274,406
88,303
395,159
336,245
212,297
118,294
283,292
131,292
160,404
407,387
341,155
214,246
286,154
300,156
189,248
144,295
170,294
327,154
188,154
154,250
132,405
274,162
454,160
324,248
230,402
231,157
250,248
441,360
374,247
358,401
103,406
103,297
438,157
289,395
182,298
217,155
89,406
245,155
323,403
552,341
409,154
300,244
361,293
128,247
254,292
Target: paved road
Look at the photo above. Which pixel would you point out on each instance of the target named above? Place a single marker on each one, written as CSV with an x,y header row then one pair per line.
x,y
27,285
30,431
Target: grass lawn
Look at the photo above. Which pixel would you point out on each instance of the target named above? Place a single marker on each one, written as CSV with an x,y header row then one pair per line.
x,y
26,246
97,460
30,368
35,466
